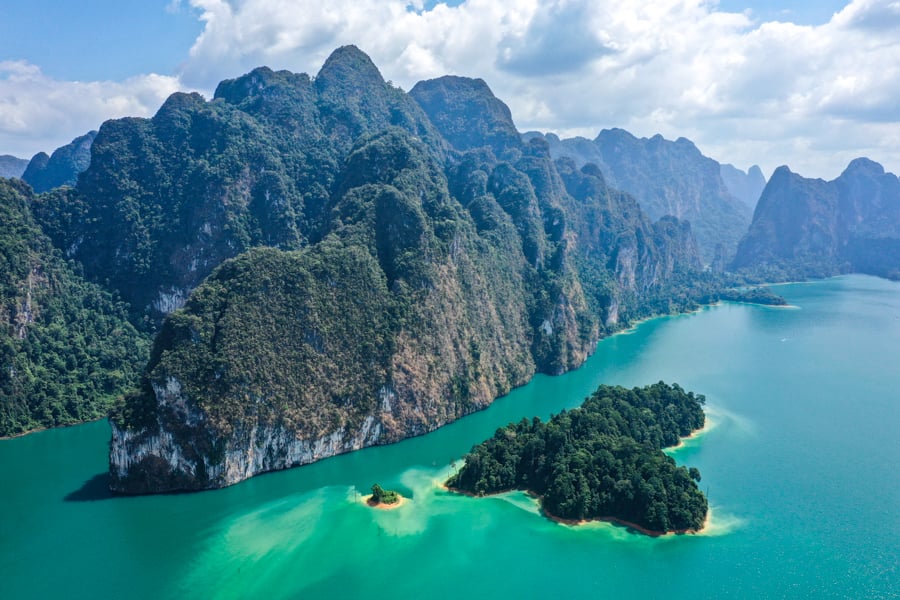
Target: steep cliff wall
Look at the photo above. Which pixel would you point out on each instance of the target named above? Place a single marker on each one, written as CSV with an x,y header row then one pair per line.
x,y
431,275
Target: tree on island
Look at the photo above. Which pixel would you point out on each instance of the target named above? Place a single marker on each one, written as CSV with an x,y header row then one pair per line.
x,y
383,496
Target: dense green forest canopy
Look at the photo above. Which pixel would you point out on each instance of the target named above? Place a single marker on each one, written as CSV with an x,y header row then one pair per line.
x,y
383,496
66,348
602,460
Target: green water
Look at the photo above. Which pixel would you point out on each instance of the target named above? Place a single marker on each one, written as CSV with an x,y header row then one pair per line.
x,y
802,464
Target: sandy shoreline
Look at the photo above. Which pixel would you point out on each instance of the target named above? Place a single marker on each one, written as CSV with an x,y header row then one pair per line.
x,y
577,522
367,500
790,306
638,322
707,425
628,524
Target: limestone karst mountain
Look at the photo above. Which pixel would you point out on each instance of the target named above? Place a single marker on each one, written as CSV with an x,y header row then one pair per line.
x,y
62,167
413,270
667,178
11,166
815,228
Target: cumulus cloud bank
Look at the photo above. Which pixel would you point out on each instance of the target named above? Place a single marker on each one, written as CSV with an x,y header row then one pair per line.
x,y
747,92
38,113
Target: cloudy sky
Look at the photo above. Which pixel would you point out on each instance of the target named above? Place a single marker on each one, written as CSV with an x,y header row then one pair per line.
x,y
811,84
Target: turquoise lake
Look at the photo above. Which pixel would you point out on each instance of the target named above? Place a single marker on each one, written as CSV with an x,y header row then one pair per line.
x,y
801,461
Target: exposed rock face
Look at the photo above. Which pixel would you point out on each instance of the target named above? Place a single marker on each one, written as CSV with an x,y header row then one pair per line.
x,y
810,227
427,276
63,167
746,187
146,462
10,166
666,178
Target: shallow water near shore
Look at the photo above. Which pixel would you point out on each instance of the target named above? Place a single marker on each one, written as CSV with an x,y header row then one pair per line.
x,y
800,463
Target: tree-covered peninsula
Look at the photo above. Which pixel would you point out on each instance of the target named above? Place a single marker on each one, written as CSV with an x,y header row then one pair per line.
x,y
603,460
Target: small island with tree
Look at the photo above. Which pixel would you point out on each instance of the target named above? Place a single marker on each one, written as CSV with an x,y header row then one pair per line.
x,y
602,461
382,498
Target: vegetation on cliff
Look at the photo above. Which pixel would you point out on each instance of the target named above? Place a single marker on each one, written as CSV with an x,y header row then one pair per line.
x,y
66,349
168,199
344,264
600,461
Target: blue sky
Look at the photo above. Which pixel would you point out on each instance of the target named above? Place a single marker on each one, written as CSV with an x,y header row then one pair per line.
x,y
98,39
809,84
806,12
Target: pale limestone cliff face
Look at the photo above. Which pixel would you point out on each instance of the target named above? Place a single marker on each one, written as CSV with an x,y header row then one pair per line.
x,y
144,462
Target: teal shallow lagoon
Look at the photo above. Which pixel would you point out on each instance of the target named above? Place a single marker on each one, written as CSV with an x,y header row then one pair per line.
x,y
801,465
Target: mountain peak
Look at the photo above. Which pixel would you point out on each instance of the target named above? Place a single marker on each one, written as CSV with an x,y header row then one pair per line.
x,y
467,113
615,133
863,166
347,65
12,166
780,172
62,167
261,82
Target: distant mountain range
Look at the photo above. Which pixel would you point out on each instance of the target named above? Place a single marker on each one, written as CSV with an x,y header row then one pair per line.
x,y
10,166
61,168
671,178
745,186
814,228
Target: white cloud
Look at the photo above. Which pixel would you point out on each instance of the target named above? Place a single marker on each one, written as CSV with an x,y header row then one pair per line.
x,y
745,92
38,113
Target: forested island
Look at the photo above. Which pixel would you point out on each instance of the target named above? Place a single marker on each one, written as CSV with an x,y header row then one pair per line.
x,y
603,460
753,295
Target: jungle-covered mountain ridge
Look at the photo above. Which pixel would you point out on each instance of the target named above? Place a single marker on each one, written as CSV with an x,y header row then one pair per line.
x,y
402,271
67,350
356,264
289,162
